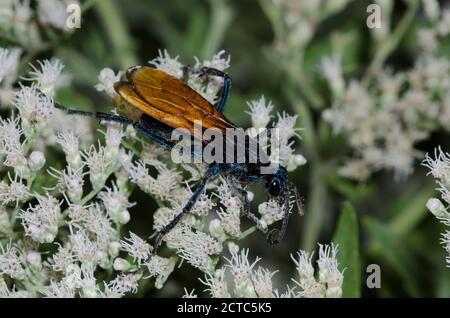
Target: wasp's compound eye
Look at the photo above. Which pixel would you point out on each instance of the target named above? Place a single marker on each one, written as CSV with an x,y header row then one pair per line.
x,y
275,187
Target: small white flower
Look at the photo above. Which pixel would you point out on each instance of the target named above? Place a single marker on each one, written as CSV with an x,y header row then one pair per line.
x,y
16,191
83,248
330,67
328,264
262,281
33,106
97,222
166,181
41,221
166,63
70,145
9,62
271,211
122,284
61,260
49,77
57,290
12,261
54,12
197,248
70,181
160,268
304,267
106,79
136,247
217,61
241,269
98,165
439,166
260,112
188,294
116,204
87,282
217,284
286,126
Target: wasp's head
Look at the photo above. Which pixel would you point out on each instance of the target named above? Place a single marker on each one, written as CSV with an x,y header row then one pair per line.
x,y
277,184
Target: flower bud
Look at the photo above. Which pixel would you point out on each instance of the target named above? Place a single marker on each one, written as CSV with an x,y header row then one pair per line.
x,y
36,160
121,265
436,207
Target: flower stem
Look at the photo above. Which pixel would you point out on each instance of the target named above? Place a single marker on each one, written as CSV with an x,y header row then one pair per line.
x,y
117,32
391,42
220,19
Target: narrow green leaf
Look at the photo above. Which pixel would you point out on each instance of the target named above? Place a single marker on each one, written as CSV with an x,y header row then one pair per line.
x,y
346,235
410,210
396,252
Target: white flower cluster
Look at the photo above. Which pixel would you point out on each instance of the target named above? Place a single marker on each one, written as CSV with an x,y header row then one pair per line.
x,y
249,282
298,20
384,121
22,21
65,217
440,169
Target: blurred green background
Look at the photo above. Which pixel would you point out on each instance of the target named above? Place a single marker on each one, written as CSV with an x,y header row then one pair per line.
x,y
392,226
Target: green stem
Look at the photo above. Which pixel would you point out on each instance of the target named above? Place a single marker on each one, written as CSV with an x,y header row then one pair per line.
x,y
221,16
391,42
117,31
247,232
315,208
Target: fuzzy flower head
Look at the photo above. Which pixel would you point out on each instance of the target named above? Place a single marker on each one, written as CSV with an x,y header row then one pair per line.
x,y
12,261
241,269
136,248
48,76
99,166
41,221
197,248
160,268
70,181
9,62
217,284
161,186
14,192
34,107
116,204
54,12
69,142
106,79
260,112
166,63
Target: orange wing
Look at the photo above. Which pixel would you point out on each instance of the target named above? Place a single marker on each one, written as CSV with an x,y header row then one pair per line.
x,y
169,100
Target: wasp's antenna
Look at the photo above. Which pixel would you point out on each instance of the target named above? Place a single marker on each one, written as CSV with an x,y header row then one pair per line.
x,y
297,198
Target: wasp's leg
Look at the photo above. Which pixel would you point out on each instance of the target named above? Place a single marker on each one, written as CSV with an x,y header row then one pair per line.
x,y
141,127
212,172
222,95
246,207
275,236
187,70
97,115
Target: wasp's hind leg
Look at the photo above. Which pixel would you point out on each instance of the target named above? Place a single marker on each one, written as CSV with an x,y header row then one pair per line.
x,y
97,115
212,172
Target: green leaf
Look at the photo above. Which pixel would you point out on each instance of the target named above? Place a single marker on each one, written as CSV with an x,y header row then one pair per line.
x,y
409,210
396,252
346,235
350,189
